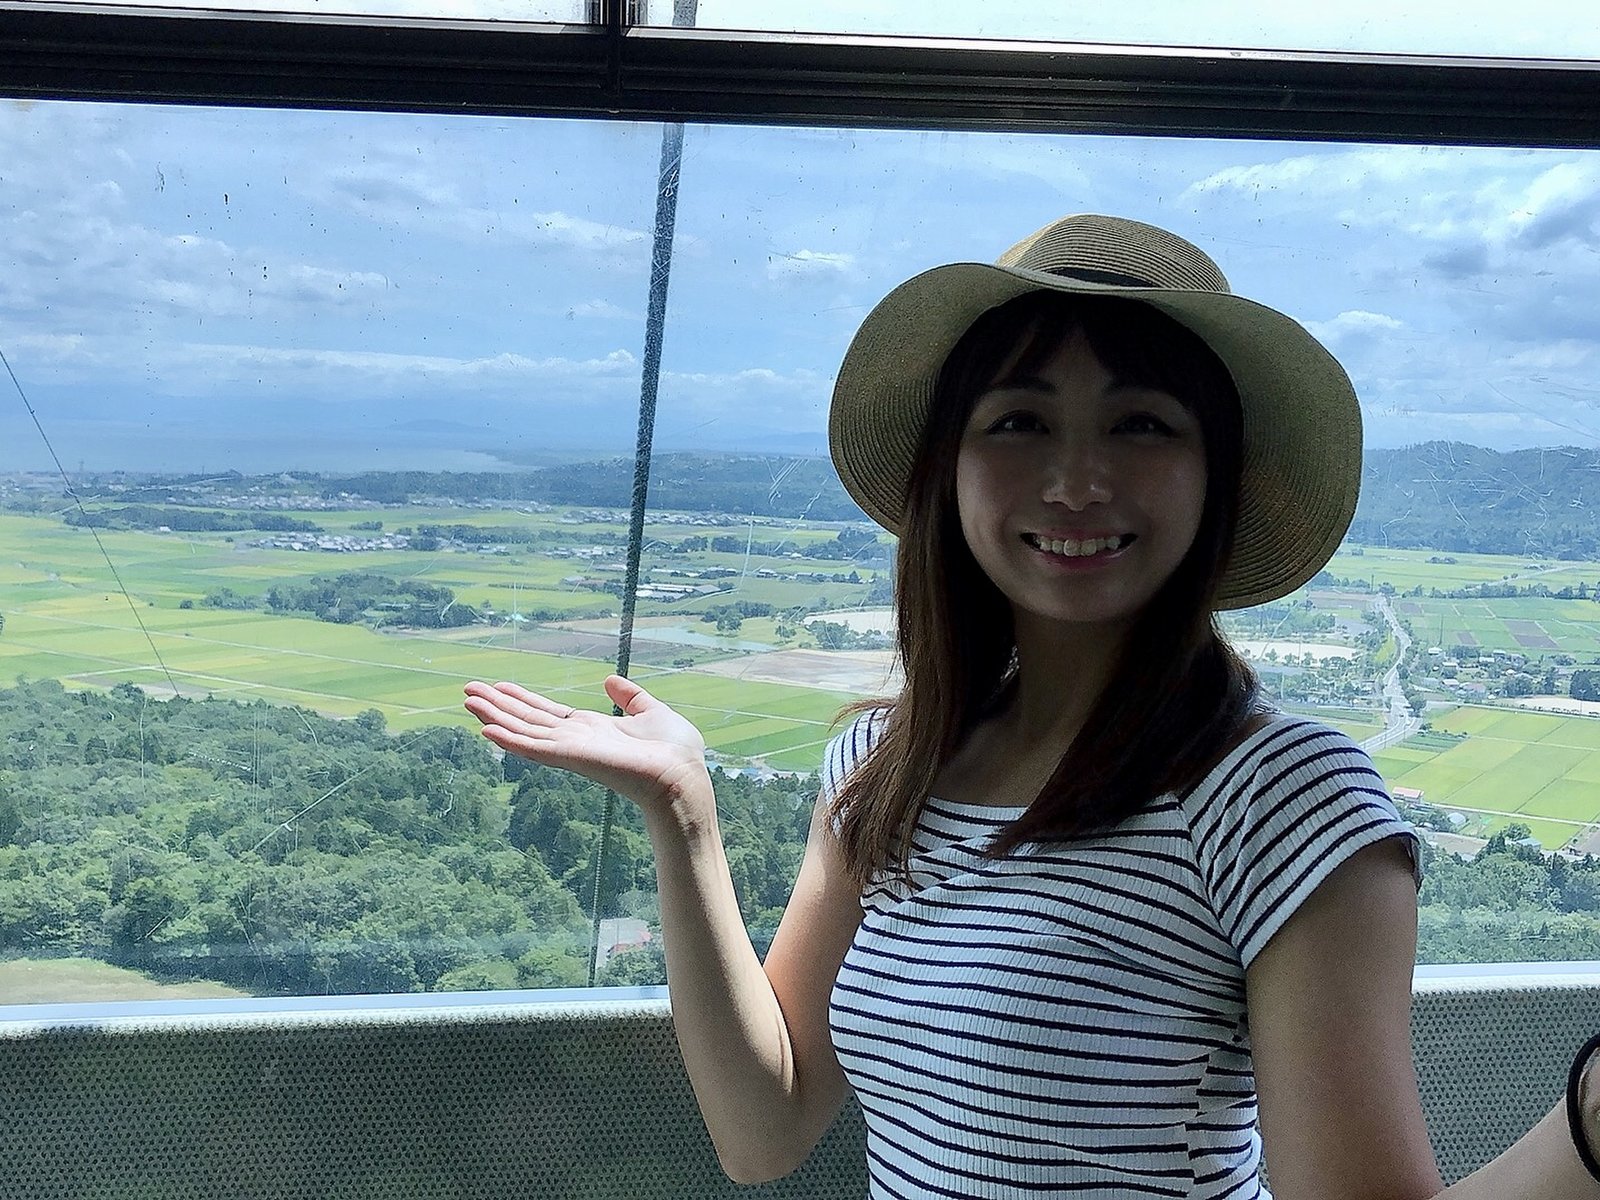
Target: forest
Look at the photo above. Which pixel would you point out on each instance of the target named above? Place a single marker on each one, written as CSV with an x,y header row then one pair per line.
x,y
285,853
1451,496
758,484
353,596
187,520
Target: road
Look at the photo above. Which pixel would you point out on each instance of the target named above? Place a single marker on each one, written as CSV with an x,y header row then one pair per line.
x,y
1399,721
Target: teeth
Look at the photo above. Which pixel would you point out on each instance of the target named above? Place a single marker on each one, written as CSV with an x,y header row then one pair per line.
x,y
1071,548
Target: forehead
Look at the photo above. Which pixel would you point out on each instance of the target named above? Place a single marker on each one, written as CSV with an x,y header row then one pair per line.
x,y
1069,371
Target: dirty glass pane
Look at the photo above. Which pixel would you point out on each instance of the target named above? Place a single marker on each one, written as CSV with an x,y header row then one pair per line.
x,y
1544,29
316,416
318,398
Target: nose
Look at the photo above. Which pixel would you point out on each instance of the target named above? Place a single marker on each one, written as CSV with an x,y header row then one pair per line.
x,y
1077,476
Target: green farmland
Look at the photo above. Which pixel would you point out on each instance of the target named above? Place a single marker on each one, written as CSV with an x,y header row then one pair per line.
x,y
66,617
1406,569
1535,768
1529,625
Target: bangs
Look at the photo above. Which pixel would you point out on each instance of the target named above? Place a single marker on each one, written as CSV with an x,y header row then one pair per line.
x,y
1137,343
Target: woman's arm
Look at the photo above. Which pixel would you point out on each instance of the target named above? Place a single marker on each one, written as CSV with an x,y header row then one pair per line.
x,y
1329,1001
755,1041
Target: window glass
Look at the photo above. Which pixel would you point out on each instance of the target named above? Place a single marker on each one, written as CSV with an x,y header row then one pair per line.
x,y
318,382
335,411
1549,29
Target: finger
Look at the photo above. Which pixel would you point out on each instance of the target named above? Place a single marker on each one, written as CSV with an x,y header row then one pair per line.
x,y
495,708
525,745
530,706
545,704
628,695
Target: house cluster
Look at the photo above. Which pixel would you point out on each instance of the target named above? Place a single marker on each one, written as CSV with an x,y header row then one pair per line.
x,y
338,543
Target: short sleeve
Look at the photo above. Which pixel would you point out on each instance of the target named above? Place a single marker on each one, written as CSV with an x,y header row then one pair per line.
x,y
848,749
1278,816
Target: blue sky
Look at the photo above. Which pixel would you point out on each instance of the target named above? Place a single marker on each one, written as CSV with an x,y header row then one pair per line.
x,y
205,289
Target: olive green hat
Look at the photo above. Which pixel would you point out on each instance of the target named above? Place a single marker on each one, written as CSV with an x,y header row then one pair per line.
x,y
1301,465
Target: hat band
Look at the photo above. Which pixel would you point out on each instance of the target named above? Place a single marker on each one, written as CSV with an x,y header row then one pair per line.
x,y
1115,278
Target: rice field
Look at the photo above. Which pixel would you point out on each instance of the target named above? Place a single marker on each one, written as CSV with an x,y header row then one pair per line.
x,y
1406,569
1539,769
1532,626
66,617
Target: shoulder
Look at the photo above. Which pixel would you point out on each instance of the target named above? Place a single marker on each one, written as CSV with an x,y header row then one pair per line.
x,y
1279,752
1278,815
851,746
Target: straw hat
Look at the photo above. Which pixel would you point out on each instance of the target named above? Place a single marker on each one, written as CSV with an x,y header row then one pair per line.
x,y
1302,424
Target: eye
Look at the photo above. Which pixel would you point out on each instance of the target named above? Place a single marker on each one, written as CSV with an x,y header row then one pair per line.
x,y
1021,421
1143,422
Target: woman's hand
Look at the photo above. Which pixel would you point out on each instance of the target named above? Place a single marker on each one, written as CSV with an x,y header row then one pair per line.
x,y
650,754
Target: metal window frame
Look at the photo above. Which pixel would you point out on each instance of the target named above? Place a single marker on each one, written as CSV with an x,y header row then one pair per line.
x,y
611,69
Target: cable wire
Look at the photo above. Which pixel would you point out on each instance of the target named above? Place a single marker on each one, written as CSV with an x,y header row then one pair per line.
x,y
666,222
88,523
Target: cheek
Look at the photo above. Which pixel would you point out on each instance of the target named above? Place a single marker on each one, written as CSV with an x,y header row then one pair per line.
x,y
970,490
1191,496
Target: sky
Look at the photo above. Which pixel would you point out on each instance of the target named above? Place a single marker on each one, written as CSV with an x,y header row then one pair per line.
x,y
210,289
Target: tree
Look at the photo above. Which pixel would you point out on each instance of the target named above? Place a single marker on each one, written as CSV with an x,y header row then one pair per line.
x,y
10,816
645,966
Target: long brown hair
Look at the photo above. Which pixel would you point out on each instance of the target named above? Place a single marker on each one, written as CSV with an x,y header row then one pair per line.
x,y
1179,696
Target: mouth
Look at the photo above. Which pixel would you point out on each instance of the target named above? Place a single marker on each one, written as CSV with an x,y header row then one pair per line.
x,y
1079,548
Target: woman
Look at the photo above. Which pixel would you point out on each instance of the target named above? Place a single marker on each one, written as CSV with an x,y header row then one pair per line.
x,y
1078,913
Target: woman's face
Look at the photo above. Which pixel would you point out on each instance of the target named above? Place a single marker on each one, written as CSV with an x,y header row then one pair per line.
x,y
1079,493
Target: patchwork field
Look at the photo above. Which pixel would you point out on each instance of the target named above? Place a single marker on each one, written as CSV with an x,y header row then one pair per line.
x,y
1406,569
1529,625
1538,769
66,617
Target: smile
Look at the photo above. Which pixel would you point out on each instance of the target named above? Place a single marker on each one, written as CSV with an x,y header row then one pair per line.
x,y
1074,548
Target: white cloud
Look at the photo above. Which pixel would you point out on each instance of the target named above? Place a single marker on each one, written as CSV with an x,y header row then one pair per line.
x,y
783,401
422,198
601,309
1358,322
333,375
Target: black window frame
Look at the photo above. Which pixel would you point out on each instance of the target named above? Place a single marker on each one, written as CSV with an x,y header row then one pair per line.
x,y
608,68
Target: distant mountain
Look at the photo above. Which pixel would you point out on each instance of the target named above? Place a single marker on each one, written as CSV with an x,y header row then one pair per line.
x,y
1456,496
1446,496
771,485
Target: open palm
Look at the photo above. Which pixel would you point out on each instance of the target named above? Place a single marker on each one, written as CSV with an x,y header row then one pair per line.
x,y
647,754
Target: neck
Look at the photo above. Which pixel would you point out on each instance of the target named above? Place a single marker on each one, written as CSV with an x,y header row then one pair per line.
x,y
1061,673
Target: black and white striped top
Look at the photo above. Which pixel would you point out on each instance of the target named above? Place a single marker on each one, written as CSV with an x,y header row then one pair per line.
x,y
1070,1019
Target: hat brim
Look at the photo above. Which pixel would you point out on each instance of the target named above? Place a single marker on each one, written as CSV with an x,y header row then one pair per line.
x,y
1301,461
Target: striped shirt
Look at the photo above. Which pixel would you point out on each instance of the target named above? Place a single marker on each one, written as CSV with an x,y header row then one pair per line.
x,y
1070,1019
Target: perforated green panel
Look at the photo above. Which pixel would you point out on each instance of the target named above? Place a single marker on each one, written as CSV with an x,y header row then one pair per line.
x,y
581,1102
1492,1057
572,1103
